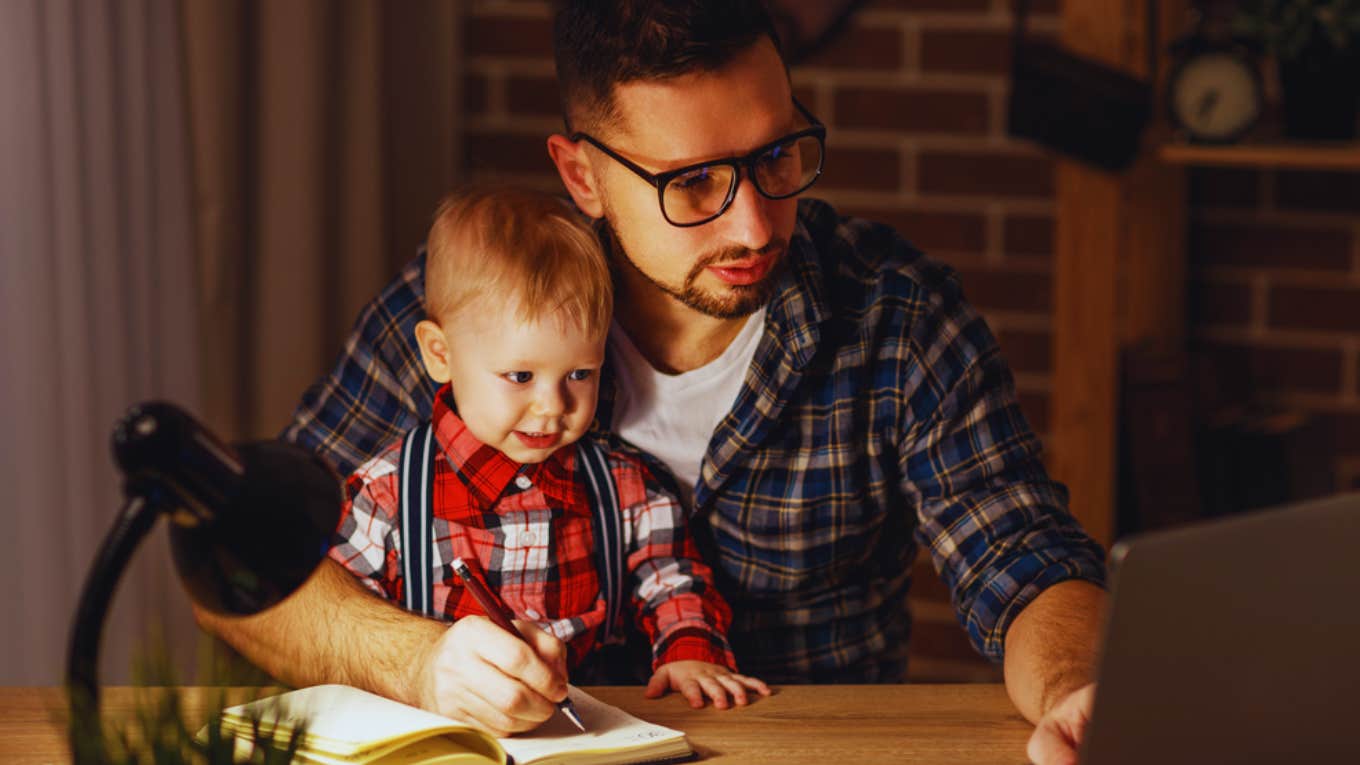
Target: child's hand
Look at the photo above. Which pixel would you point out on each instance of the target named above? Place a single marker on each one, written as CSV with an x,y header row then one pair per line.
x,y
695,679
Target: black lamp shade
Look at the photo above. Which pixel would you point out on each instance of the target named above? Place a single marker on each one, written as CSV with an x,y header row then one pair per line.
x,y
248,523
276,531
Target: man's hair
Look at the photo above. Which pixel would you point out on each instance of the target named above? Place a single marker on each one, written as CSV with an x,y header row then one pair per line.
x,y
600,44
517,246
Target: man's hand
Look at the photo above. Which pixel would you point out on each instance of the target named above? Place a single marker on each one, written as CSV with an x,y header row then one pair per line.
x,y
1058,734
480,674
695,679
332,630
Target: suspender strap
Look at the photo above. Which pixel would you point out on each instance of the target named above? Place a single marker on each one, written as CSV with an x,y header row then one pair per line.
x,y
594,474
416,492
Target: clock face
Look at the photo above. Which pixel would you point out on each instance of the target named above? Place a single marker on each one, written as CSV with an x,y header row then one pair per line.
x,y
1215,96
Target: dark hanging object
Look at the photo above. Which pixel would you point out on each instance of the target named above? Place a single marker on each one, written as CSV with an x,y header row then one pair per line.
x,y
1075,106
805,27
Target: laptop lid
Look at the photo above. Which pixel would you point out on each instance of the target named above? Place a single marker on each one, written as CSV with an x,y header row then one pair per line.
x,y
1236,640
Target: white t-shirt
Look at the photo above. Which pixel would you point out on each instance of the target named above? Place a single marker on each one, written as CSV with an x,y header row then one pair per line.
x,y
673,416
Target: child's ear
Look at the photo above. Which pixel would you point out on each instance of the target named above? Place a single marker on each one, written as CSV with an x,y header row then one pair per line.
x,y
573,164
434,350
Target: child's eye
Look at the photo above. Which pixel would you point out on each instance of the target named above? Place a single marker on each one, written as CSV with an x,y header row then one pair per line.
x,y
519,377
579,374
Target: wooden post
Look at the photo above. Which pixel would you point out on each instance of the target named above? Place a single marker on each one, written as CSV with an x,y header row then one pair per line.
x,y
1119,276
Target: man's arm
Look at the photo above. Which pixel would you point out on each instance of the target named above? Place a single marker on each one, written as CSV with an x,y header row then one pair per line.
x,y
1050,667
332,631
326,609
1024,577
1051,646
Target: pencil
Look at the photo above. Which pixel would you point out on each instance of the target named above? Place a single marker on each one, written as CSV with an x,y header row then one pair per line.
x,y
501,616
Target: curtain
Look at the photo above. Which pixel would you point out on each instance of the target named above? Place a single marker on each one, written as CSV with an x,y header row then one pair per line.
x,y
97,309
196,198
324,134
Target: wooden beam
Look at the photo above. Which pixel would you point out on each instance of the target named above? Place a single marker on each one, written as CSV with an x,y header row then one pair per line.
x,y
1085,354
1119,272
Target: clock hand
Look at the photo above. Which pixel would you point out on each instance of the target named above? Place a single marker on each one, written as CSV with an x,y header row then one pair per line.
x,y
1207,103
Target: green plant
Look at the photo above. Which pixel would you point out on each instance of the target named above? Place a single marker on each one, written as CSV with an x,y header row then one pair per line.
x,y
160,734
159,731
1288,28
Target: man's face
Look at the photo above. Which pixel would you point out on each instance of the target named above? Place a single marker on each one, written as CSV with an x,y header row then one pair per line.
x,y
726,267
524,388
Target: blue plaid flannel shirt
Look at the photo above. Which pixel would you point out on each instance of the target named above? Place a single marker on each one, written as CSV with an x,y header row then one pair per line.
x,y
878,416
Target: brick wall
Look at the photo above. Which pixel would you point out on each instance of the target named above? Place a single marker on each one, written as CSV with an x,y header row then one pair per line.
x,y
1275,301
510,94
913,93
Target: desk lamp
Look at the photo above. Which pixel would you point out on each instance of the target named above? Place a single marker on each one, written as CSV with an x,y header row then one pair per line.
x,y
248,526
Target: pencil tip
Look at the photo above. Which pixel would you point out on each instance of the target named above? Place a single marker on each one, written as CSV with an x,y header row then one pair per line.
x,y
570,712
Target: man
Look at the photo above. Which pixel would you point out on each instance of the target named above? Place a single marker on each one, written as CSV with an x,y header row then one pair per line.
x,y
822,389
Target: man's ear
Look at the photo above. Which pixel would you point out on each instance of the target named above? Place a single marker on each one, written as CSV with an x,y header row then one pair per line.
x,y
573,164
434,350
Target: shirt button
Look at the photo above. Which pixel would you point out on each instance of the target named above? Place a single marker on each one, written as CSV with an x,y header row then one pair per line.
x,y
527,538
523,481
532,614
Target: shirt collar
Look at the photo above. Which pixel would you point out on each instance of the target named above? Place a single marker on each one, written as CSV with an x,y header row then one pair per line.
x,y
487,472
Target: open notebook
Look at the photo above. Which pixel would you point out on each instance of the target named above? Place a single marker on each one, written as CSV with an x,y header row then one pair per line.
x,y
347,726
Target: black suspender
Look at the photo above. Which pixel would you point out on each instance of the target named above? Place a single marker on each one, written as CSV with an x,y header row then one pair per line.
x,y
416,495
594,474
415,492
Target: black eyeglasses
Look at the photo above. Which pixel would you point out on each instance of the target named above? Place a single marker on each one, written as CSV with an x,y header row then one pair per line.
x,y
696,194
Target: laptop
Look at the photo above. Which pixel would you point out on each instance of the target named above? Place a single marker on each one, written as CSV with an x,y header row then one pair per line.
x,y
1234,641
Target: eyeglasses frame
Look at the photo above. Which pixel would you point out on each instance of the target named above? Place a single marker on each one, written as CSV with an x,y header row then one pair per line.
x,y
660,180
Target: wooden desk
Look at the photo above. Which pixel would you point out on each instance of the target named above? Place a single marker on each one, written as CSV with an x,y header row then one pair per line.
x,y
961,724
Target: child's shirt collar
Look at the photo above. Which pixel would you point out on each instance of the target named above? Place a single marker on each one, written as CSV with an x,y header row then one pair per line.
x,y
488,473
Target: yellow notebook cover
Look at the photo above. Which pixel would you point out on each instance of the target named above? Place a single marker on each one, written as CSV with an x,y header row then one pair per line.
x,y
348,726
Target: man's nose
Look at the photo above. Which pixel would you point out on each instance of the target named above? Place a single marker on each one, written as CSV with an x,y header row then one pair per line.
x,y
747,221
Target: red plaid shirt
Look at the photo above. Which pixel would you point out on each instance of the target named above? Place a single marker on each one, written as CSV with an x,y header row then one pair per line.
x,y
529,528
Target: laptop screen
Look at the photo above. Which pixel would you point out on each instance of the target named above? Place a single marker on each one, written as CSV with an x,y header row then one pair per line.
x,y
1236,640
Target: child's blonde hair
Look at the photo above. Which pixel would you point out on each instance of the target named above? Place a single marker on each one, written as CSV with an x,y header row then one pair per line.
x,y
516,245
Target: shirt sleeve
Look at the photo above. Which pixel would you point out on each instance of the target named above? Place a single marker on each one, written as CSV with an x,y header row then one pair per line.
x,y
378,389
677,604
367,541
997,528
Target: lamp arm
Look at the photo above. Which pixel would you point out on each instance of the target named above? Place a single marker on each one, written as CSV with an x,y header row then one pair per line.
x,y
134,522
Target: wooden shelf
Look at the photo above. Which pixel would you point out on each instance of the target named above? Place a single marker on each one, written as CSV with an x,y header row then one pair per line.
x,y
1343,157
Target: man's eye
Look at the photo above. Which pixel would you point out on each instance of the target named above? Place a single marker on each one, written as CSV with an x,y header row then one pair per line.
x,y
579,374
519,377
780,153
694,180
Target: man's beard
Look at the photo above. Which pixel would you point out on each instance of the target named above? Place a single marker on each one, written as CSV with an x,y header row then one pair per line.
x,y
738,299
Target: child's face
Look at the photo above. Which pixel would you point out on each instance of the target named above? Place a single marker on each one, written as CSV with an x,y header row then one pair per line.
x,y
526,389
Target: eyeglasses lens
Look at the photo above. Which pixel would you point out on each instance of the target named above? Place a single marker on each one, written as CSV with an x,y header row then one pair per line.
x,y
782,171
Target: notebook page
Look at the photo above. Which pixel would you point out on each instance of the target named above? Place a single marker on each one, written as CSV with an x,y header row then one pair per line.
x,y
608,728
341,720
